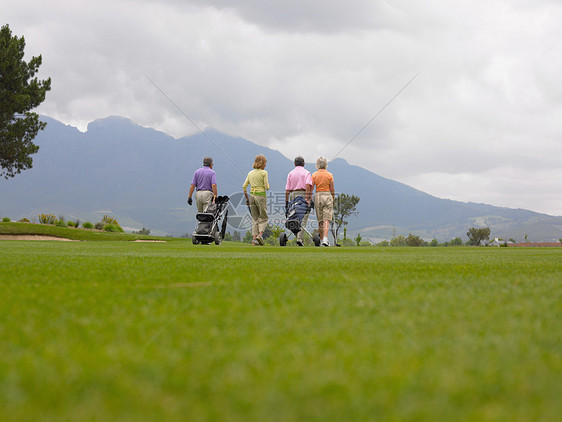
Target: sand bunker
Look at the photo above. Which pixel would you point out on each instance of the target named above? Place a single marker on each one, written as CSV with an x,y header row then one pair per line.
x,y
33,237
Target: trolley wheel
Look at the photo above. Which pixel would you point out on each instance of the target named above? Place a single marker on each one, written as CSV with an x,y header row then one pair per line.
x,y
283,239
194,241
218,237
316,240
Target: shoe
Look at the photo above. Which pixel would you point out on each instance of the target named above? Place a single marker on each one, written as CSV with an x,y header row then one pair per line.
x,y
255,243
326,243
299,243
259,239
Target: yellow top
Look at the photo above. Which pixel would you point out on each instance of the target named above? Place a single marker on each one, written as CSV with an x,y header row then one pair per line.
x,y
257,178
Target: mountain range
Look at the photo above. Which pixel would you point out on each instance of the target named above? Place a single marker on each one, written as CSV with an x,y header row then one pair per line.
x,y
141,177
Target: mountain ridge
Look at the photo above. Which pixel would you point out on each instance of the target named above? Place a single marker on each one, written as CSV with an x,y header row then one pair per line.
x,y
142,176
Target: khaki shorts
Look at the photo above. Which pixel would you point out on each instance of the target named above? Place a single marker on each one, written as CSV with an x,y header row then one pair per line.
x,y
324,205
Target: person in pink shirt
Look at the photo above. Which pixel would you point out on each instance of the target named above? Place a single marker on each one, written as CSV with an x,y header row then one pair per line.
x,y
299,183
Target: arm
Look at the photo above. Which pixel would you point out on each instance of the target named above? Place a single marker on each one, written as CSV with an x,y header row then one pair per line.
x,y
308,194
191,189
332,191
214,192
265,181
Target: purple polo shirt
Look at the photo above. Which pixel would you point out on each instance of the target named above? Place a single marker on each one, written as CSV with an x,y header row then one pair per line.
x,y
204,178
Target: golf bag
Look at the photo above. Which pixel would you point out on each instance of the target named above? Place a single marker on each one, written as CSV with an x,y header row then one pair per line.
x,y
296,210
208,229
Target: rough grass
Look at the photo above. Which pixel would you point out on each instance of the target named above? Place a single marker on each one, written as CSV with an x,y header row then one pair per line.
x,y
124,331
71,233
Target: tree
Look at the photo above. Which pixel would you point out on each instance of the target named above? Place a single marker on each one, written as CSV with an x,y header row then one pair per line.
x,y
344,207
358,239
476,236
144,231
20,92
236,236
413,240
398,241
247,237
457,241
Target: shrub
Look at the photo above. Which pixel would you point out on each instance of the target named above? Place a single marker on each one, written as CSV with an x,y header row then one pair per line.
x,y
99,225
398,241
111,228
47,219
23,220
6,220
87,225
112,222
71,224
61,223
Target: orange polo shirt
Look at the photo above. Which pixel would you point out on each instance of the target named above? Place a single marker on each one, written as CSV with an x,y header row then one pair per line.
x,y
322,179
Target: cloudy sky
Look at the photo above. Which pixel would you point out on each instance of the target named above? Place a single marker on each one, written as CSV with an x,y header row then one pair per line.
x,y
480,121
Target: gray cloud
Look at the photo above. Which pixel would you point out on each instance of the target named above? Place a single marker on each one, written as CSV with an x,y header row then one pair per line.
x,y
304,78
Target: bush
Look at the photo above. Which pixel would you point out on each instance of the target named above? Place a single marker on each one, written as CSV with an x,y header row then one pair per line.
x,y
384,243
87,225
47,219
6,220
110,228
99,225
107,220
61,223
113,228
348,242
398,241
71,224
24,220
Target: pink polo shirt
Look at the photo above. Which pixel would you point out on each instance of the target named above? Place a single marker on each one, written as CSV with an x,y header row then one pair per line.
x,y
298,178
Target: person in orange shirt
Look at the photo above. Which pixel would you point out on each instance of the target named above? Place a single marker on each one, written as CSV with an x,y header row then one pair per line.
x,y
324,198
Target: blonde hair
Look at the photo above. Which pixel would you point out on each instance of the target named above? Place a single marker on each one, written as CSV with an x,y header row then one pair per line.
x,y
321,163
259,161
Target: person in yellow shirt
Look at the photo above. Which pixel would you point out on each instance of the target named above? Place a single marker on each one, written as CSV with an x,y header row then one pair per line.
x,y
324,198
257,201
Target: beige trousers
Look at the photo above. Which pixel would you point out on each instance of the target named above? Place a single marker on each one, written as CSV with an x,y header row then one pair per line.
x,y
258,208
202,199
292,196
324,204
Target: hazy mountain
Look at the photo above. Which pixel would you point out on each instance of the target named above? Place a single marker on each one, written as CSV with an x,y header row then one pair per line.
x,y
141,177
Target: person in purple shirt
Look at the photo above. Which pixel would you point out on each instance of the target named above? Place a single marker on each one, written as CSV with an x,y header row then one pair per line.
x,y
205,181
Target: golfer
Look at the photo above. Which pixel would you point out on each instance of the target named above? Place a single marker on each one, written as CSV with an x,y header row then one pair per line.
x,y
299,183
205,181
257,201
324,199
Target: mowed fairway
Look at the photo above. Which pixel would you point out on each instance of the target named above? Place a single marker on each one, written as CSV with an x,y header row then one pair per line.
x,y
171,331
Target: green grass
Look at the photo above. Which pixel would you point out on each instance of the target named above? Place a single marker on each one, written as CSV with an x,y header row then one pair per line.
x,y
73,233
172,331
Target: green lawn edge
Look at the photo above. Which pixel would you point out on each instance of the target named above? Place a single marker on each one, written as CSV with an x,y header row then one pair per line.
x,y
74,233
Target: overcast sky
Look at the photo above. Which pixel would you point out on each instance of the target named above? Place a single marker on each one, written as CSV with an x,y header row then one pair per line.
x,y
481,121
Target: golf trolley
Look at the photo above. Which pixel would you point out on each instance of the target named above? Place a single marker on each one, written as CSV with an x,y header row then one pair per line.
x,y
296,210
207,229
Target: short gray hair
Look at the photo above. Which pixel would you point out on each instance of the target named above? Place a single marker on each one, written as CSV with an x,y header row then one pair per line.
x,y
207,161
299,161
321,163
